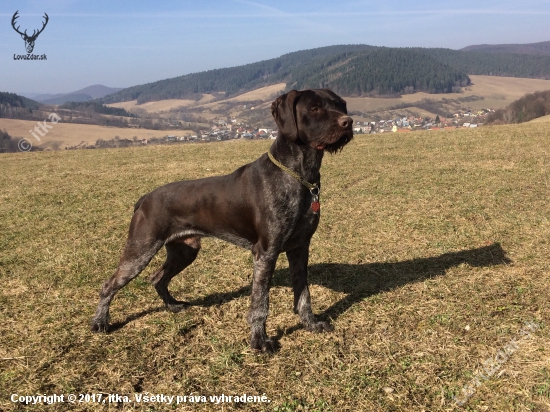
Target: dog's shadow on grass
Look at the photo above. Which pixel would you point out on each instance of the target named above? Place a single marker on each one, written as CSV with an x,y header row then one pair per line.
x,y
359,281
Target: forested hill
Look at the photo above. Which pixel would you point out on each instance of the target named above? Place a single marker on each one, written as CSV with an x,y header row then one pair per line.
x,y
384,71
14,100
236,80
529,107
493,64
16,107
351,70
542,48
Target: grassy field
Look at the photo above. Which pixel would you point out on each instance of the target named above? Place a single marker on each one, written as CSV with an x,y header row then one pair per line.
x,y
431,255
542,119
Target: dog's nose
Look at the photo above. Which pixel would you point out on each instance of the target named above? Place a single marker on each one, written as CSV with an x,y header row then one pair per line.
x,y
344,121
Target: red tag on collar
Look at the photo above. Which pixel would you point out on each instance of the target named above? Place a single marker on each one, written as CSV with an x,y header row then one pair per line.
x,y
315,206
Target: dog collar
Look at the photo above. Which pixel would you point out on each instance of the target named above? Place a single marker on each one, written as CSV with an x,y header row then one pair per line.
x,y
312,187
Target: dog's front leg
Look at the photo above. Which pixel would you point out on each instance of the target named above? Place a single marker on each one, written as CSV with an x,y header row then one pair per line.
x,y
264,265
298,261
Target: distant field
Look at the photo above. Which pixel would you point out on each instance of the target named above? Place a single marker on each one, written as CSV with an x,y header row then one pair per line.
x,y
262,93
432,253
164,105
69,134
497,92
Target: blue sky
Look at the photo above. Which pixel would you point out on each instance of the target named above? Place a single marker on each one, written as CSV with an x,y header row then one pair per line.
x,y
124,43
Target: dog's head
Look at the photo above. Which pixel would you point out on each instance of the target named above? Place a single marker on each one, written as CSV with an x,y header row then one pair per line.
x,y
317,118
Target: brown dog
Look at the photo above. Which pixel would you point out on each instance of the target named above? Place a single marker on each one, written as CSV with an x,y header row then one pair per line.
x,y
268,206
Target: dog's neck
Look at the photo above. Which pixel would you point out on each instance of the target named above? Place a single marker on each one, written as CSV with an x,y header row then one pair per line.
x,y
300,158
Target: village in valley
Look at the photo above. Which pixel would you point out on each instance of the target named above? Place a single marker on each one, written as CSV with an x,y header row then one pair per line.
x,y
222,129
469,118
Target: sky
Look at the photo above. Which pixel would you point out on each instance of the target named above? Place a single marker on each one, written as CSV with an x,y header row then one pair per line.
x,y
125,43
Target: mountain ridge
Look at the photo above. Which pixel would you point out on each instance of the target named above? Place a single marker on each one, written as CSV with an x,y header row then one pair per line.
x,y
352,70
94,91
537,49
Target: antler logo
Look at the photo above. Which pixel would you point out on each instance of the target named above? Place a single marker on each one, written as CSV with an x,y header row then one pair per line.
x,y
29,40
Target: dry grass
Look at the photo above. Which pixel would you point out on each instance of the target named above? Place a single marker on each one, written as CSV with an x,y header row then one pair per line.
x,y
72,134
263,93
162,105
542,119
422,234
499,92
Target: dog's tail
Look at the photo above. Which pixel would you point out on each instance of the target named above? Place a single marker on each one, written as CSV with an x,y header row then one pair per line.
x,y
139,202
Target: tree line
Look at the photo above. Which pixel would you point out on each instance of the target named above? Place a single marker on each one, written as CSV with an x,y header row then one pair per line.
x,y
8,144
529,107
493,64
13,106
95,107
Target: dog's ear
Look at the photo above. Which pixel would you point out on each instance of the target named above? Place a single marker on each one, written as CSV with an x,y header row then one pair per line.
x,y
345,105
283,110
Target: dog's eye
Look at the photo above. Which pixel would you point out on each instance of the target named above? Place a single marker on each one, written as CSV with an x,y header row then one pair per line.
x,y
315,109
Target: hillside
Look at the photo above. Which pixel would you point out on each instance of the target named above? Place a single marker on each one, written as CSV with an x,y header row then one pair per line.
x,y
352,70
228,82
187,117
16,100
493,64
529,107
94,107
16,107
384,71
543,119
64,98
13,106
538,49
253,108
490,91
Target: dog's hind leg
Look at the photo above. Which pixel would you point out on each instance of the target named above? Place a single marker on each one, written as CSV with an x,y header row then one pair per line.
x,y
180,254
136,256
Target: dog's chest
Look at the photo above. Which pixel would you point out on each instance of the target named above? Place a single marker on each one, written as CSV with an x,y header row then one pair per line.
x,y
305,224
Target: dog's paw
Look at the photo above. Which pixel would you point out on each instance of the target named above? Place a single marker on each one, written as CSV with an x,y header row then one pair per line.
x,y
264,345
319,327
99,326
177,307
